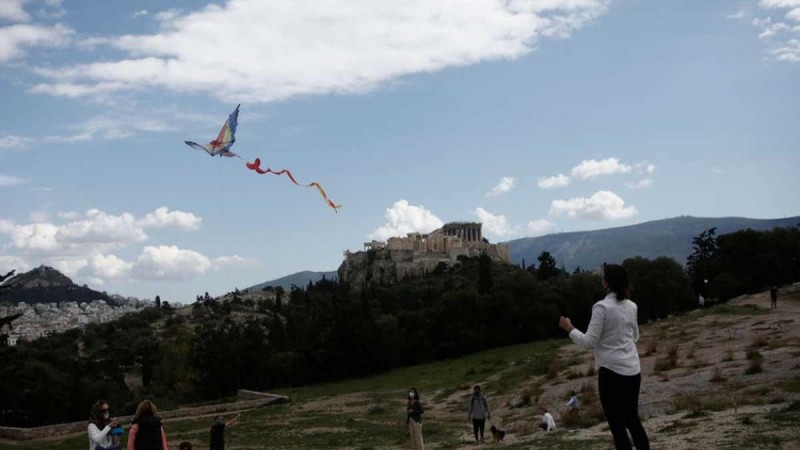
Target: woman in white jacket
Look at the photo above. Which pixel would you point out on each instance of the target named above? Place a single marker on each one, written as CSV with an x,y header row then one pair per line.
x,y
100,427
612,334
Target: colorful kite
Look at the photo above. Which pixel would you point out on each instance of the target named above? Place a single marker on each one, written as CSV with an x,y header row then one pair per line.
x,y
221,146
256,166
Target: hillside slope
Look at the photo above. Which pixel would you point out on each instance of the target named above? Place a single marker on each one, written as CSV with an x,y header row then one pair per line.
x,y
705,399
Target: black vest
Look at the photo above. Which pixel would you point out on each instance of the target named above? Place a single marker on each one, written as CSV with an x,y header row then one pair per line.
x,y
149,435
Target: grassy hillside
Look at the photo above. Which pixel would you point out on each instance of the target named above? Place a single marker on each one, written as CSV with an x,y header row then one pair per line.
x,y
700,390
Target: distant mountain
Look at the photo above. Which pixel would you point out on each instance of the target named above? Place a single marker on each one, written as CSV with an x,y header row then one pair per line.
x,y
46,285
667,237
299,279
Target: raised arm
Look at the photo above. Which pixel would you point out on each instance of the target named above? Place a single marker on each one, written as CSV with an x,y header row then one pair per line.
x,y
96,435
589,339
232,421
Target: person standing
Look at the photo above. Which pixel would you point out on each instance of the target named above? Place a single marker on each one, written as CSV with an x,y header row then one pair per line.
x,y
218,432
100,426
573,402
146,432
478,412
773,295
612,334
414,413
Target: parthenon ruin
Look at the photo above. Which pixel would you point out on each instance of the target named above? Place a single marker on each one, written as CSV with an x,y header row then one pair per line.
x,y
417,254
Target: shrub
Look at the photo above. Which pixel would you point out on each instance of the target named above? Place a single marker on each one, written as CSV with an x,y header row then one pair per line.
x,y
754,367
716,376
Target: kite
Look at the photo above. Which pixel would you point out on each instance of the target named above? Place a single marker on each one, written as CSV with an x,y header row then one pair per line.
x,y
256,166
221,146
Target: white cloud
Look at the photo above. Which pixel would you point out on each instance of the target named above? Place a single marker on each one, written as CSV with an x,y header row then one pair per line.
x,y
557,181
717,170
643,183
168,262
163,217
9,263
282,48
11,142
12,10
15,38
602,205
104,267
540,227
497,225
773,29
783,45
506,184
96,232
789,52
233,261
10,180
403,218
779,4
644,167
140,13
100,227
590,169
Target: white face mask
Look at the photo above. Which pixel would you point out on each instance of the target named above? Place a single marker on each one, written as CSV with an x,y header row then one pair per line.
x,y
411,395
106,415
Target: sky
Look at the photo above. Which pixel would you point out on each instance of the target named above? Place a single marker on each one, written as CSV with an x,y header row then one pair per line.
x,y
530,116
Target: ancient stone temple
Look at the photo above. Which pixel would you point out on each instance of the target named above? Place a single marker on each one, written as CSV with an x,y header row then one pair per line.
x,y
417,254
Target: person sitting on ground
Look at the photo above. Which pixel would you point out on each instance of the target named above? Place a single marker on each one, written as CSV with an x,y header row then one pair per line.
x,y
218,432
100,426
146,432
547,423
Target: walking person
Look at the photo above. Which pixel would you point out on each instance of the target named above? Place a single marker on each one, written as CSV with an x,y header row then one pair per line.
x,y
100,426
612,334
773,295
478,412
146,432
573,402
414,413
218,432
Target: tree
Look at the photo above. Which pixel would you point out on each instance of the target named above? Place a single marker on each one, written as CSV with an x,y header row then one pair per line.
x,y
547,266
484,273
701,264
158,302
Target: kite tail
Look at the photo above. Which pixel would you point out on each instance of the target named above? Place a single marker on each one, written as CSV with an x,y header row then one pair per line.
x,y
256,166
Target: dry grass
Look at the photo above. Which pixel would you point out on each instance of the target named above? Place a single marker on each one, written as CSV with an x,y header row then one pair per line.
x,y
716,376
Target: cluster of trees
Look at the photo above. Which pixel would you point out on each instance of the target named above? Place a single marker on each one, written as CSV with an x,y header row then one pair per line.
x,y
743,262
328,331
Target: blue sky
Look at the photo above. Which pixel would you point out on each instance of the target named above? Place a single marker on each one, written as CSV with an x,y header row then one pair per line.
x,y
532,116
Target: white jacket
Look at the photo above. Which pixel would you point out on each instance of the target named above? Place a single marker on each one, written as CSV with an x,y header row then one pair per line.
x,y
612,333
99,437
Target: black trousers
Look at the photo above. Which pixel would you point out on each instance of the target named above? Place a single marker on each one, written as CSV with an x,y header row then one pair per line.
x,y
619,395
477,427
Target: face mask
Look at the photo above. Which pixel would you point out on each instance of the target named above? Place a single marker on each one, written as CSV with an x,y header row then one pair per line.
x,y
106,415
411,395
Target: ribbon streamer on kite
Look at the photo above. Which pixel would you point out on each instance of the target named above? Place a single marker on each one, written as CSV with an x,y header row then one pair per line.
x,y
256,166
221,146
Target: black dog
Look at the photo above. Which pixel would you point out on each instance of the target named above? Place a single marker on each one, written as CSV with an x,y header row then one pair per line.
x,y
498,435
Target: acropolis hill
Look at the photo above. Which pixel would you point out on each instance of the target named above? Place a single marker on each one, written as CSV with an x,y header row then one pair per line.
x,y
416,254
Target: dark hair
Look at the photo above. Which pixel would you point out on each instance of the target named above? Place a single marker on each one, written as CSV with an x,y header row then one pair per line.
x,y
185,446
477,386
96,414
616,277
416,394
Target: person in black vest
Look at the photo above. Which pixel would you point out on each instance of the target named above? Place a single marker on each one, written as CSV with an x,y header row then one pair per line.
x,y
146,432
218,432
